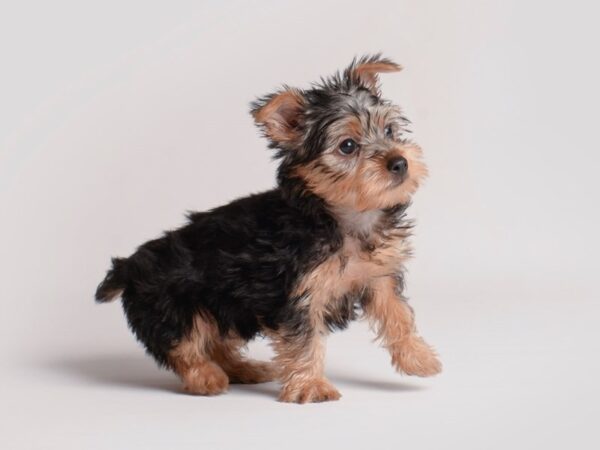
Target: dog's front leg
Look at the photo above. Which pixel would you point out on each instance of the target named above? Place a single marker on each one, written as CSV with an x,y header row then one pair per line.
x,y
393,320
299,357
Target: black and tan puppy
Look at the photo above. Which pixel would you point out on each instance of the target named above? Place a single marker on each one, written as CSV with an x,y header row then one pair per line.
x,y
293,263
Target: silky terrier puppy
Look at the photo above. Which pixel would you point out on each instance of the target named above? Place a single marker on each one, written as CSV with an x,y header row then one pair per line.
x,y
325,247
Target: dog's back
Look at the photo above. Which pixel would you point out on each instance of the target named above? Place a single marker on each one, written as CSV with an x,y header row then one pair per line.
x,y
235,264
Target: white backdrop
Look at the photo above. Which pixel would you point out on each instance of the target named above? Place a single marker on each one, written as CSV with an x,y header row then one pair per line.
x,y
117,117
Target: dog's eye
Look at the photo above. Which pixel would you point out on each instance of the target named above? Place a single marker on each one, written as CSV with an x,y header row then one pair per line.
x,y
348,146
388,131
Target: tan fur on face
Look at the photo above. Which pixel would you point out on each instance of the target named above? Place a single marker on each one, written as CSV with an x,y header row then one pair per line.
x,y
363,181
368,185
350,127
393,320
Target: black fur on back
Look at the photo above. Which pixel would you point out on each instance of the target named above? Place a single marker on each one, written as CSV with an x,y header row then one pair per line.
x,y
238,263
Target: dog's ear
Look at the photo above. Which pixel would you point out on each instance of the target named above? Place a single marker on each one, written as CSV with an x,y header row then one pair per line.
x,y
364,71
280,116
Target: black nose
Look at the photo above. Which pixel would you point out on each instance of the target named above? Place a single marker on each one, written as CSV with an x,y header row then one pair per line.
x,y
397,165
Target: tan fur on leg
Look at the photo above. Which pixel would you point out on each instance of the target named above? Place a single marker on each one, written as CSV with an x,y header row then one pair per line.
x,y
301,363
203,378
190,359
309,391
240,369
393,320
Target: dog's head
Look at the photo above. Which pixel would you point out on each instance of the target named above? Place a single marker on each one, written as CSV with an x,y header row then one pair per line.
x,y
343,140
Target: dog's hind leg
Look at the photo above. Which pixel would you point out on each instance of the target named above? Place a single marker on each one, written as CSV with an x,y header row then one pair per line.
x,y
239,369
191,360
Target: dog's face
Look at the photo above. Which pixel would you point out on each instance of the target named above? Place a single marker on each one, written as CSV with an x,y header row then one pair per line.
x,y
343,140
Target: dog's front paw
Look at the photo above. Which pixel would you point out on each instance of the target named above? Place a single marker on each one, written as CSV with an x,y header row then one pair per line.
x,y
413,356
310,391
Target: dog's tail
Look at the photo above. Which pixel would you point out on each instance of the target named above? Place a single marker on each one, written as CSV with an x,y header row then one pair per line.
x,y
114,283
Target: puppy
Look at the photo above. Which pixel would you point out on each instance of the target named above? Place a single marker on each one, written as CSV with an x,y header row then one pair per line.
x,y
324,247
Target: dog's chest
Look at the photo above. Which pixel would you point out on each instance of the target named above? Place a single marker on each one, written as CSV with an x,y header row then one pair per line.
x,y
359,262
370,249
332,286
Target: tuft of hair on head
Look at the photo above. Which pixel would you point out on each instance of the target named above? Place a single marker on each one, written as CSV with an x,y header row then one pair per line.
x,y
280,116
365,71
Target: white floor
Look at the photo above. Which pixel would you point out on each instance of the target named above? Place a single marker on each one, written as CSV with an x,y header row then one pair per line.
x,y
519,373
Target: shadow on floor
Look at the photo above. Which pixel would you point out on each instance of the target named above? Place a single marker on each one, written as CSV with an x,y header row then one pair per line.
x,y
131,371
136,372
140,372
376,385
